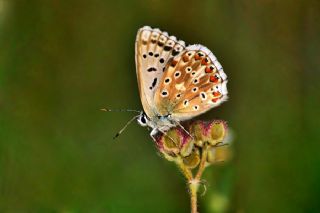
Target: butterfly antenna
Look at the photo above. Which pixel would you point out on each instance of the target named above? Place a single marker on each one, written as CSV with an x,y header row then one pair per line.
x,y
125,126
119,110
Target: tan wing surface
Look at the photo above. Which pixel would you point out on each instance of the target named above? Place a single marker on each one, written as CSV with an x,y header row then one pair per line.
x,y
193,83
153,50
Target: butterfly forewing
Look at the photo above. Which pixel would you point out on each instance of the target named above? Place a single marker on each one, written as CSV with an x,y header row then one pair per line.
x,y
154,48
193,83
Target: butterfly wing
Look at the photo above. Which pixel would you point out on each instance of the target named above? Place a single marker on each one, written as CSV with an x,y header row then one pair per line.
x,y
153,50
193,83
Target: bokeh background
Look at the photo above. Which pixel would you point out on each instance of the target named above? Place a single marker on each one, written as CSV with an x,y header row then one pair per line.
x,y
61,61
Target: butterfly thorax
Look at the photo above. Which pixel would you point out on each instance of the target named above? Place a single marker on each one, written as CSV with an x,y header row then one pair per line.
x,y
160,123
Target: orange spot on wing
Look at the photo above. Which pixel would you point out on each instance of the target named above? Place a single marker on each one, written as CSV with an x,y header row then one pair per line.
x,y
215,100
205,61
216,94
214,79
174,63
197,57
208,70
185,58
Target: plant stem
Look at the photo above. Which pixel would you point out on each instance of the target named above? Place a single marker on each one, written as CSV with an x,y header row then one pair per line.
x,y
203,161
194,182
185,171
193,187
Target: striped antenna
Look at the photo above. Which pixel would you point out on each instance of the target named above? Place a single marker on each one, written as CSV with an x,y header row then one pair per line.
x,y
119,110
123,110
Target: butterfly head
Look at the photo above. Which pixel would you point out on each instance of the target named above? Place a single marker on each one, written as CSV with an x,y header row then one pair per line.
x,y
143,119
157,122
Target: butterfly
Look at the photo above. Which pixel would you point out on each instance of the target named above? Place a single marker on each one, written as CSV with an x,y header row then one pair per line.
x,y
176,82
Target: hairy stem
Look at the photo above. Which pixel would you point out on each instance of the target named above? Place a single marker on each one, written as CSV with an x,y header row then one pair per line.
x,y
193,187
185,171
193,182
202,164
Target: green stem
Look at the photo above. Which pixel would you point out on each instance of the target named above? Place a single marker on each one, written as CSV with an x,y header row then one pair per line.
x,y
194,182
193,187
202,164
185,171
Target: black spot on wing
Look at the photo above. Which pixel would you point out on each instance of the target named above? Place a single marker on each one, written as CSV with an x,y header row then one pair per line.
x,y
160,44
167,48
154,82
151,69
175,52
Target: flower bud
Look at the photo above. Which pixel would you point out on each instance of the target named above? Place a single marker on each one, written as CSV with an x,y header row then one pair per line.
x,y
212,132
175,142
219,154
193,160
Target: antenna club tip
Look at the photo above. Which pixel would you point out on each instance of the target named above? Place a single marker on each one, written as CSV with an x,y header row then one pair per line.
x,y
114,137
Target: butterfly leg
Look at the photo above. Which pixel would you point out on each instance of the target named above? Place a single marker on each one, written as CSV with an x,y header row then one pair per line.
x,y
186,131
164,133
153,133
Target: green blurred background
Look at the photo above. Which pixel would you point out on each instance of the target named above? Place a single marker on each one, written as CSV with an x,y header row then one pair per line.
x,y
60,61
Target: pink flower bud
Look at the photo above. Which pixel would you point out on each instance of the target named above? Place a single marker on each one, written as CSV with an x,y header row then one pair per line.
x,y
212,132
175,142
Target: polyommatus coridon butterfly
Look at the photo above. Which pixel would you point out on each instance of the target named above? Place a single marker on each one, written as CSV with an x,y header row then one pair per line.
x,y
176,82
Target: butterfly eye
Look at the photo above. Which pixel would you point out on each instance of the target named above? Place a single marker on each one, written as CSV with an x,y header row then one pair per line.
x,y
167,80
164,93
177,74
142,120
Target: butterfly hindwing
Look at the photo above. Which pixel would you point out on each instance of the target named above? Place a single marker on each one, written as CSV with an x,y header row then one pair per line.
x,y
193,83
154,49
